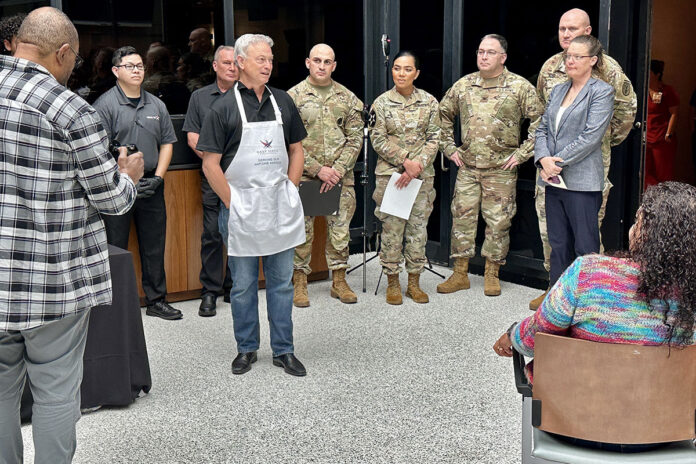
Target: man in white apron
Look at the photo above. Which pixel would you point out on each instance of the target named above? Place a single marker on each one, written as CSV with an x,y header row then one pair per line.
x,y
253,160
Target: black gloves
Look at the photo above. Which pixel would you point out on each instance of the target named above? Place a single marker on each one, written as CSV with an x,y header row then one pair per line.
x,y
148,185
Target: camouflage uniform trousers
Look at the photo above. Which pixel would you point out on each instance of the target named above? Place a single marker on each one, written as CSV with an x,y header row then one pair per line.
x,y
396,230
493,192
338,235
540,205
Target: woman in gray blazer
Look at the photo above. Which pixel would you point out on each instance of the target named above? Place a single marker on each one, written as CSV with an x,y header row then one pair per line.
x,y
568,149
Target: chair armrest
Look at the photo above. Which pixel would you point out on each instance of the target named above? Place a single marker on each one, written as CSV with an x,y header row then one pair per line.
x,y
521,382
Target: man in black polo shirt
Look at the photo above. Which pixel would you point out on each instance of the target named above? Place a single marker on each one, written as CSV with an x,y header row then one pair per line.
x,y
211,240
252,156
132,116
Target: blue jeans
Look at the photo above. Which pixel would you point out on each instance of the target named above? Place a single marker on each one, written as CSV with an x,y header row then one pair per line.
x,y
244,296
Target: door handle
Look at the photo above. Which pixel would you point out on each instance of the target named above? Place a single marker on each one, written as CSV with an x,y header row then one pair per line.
x,y
638,125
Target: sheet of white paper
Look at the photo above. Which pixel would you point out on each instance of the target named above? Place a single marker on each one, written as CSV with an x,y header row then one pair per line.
x,y
399,202
557,181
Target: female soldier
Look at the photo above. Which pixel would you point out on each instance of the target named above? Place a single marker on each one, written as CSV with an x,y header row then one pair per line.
x,y
405,136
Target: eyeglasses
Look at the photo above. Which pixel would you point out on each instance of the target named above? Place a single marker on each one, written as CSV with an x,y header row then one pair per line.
x,y
130,67
576,57
78,59
491,53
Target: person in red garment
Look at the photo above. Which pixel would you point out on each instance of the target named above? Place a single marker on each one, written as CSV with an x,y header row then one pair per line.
x,y
661,146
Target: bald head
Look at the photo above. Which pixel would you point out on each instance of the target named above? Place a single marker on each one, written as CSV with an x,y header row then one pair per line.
x,y
321,63
322,49
577,15
47,29
573,23
199,41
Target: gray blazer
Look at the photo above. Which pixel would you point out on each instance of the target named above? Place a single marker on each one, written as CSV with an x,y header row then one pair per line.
x,y
578,140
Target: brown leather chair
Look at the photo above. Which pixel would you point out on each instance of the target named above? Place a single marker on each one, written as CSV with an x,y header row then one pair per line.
x,y
612,393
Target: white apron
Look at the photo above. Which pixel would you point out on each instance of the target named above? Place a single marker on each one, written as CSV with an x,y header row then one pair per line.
x,y
266,215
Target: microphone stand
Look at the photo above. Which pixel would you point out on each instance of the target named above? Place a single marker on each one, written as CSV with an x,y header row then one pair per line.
x,y
368,121
364,177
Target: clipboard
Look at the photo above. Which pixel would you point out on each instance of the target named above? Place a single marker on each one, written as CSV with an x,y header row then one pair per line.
x,y
319,204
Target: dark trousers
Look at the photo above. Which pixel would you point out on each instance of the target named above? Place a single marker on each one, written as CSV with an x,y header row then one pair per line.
x,y
573,227
150,218
212,250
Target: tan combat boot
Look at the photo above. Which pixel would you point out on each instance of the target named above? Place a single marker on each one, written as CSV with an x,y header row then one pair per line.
x,y
394,290
491,284
459,280
413,291
299,281
536,302
340,288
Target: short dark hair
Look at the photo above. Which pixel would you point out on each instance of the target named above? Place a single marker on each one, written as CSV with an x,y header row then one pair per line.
x,y
501,40
9,26
658,68
407,53
121,52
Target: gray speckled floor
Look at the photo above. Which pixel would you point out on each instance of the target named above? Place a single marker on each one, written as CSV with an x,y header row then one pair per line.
x,y
393,384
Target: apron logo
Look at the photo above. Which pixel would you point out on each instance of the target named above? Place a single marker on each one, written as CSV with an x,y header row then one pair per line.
x,y
266,143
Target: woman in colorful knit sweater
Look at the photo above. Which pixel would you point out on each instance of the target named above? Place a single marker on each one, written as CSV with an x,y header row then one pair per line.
x,y
646,297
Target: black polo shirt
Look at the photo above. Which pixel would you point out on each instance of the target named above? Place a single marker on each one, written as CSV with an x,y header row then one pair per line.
x,y
147,125
200,103
222,129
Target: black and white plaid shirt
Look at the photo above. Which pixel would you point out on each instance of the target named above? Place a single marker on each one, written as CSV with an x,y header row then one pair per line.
x,y
56,175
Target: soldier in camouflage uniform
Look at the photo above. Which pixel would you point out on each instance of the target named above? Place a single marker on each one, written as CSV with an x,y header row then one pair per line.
x,y
332,116
573,23
405,136
492,104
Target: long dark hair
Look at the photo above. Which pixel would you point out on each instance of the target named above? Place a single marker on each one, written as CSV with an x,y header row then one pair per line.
x,y
665,249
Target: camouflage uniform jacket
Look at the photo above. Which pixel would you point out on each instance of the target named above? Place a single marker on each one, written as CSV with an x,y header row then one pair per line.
x,y
625,101
334,128
491,112
405,128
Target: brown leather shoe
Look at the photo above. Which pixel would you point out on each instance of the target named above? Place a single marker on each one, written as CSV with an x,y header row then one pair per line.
x,y
491,283
536,302
459,280
394,290
413,291
299,281
340,288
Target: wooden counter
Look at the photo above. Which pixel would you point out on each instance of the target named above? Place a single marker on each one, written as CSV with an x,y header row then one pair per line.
x,y
182,260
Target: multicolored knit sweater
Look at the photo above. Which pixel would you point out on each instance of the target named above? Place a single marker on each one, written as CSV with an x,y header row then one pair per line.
x,y
596,299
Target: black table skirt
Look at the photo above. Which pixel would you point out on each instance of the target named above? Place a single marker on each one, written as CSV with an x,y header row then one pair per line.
x,y
116,366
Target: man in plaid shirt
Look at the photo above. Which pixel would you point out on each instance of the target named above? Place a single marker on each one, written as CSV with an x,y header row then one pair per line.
x,y
56,176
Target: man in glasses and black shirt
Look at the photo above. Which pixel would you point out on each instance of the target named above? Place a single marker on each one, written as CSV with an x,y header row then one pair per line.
x,y
132,116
